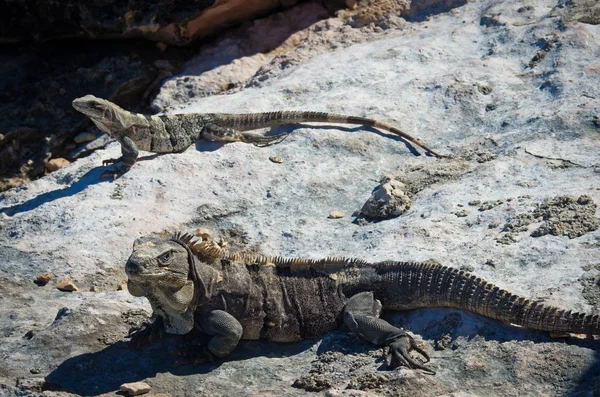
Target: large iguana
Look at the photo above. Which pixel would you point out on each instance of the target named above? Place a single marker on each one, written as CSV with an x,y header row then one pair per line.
x,y
170,133
192,283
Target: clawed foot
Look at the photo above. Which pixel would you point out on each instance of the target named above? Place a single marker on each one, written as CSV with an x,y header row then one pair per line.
x,y
399,353
111,161
112,174
147,333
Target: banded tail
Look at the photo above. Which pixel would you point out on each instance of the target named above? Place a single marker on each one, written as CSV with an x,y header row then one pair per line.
x,y
252,121
433,285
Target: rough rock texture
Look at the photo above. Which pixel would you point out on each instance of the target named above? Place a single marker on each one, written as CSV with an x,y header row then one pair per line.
x,y
464,83
171,22
393,196
37,86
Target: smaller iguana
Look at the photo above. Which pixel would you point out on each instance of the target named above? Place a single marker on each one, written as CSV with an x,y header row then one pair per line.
x,y
170,133
194,284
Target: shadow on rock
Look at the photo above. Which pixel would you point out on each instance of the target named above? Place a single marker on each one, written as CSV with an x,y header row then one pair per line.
x,y
104,371
90,178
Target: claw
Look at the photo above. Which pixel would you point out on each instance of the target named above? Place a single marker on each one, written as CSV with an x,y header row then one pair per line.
x,y
114,174
399,351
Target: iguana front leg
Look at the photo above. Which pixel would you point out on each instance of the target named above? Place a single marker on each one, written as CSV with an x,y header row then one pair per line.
x,y
151,330
129,154
213,132
226,331
361,316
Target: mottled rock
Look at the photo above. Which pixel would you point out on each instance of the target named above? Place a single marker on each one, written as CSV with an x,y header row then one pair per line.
x,y
389,200
33,385
158,20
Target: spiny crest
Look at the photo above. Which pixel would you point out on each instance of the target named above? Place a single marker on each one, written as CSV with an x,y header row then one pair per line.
x,y
204,250
298,265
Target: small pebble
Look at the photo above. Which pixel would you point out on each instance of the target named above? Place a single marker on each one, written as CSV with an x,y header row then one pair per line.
x,y
336,214
56,164
66,285
276,159
135,388
43,279
462,213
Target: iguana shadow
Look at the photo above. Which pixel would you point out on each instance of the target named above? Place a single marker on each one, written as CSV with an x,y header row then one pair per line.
x,y
94,176
90,178
104,371
92,374
206,146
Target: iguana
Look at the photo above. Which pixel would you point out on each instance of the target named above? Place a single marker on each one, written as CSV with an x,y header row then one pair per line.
x,y
170,133
194,284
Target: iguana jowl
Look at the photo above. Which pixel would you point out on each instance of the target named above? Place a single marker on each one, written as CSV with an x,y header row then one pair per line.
x,y
231,297
176,132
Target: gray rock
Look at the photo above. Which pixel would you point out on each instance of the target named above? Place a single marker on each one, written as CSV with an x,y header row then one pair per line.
x,y
538,143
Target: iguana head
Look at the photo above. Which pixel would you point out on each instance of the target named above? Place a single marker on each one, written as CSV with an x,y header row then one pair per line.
x,y
107,116
166,272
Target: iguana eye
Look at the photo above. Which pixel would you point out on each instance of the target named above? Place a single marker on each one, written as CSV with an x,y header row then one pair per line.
x,y
164,258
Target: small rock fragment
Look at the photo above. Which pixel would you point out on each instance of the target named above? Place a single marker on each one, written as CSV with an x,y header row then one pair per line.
x,y
56,164
276,159
461,213
66,285
336,214
43,279
85,136
135,388
389,200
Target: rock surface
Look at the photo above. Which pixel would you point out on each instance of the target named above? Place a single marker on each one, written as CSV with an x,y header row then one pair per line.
x,y
170,22
510,89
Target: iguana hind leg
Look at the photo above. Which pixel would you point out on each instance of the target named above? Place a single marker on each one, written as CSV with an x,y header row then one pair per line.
x,y
213,132
361,315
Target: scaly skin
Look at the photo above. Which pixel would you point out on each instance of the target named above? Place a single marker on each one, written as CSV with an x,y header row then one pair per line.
x,y
176,132
255,297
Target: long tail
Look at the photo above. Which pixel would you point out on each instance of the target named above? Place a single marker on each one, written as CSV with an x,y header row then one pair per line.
x,y
252,121
433,285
